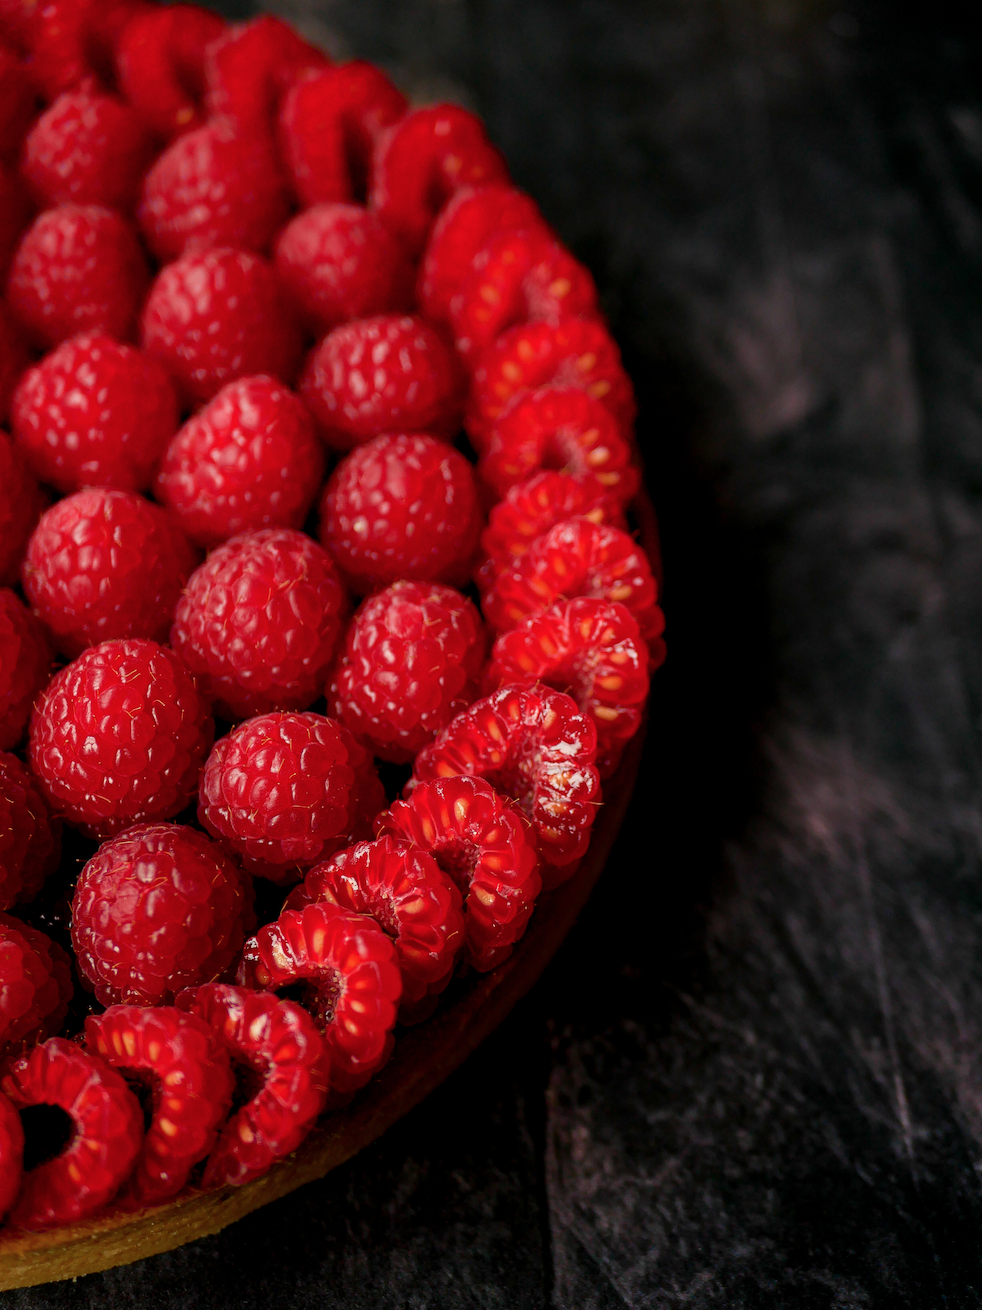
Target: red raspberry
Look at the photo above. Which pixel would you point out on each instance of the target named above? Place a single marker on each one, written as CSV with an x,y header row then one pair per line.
x,y
25,665
87,149
11,1155
248,460
401,507
95,413
216,316
30,840
410,898
351,974
594,651
389,373
107,1128
160,65
21,503
57,36
103,564
277,790
259,621
577,353
216,186
533,745
158,908
421,161
339,262
470,218
328,125
276,1041
252,65
578,558
18,102
191,1085
79,268
413,658
559,428
15,217
35,986
119,737
486,846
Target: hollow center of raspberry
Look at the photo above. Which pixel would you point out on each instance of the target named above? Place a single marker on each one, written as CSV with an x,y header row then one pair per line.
x,y
48,1130
320,997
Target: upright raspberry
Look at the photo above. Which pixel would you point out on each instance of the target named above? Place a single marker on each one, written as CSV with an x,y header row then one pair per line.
x,y
35,986
11,1155
30,840
25,665
119,737
21,503
160,65
252,65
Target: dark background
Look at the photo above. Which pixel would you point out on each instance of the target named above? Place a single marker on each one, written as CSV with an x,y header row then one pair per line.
x,y
753,1075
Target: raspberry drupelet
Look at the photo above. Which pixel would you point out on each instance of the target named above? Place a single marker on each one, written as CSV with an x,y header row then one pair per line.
x,y
119,736
25,666
11,1155
35,986
259,621
159,61
30,839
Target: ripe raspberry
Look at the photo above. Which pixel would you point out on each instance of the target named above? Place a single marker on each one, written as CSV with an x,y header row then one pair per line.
x,y
11,1155
277,1042
21,503
252,65
103,564
158,908
328,125
160,65
486,845
216,186
30,840
25,665
16,211
352,983
259,621
18,101
389,373
577,353
277,791
78,268
410,898
87,149
421,161
578,558
339,262
191,1085
401,507
470,218
216,316
35,986
107,1128
533,745
413,658
57,37
95,413
248,460
119,737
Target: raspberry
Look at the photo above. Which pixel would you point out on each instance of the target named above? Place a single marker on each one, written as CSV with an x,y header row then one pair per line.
x,y
352,982
191,1087
160,65
401,507
30,840
533,745
119,737
21,502
486,846
60,51
17,105
248,460
410,898
25,664
78,268
594,651
339,262
11,1155
559,428
95,413
15,216
578,558
103,564
35,986
258,623
158,908
278,1045
107,1128
215,186
216,316
577,353
277,790
421,161
471,217
389,373
328,125
249,68
87,149
413,659
518,277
